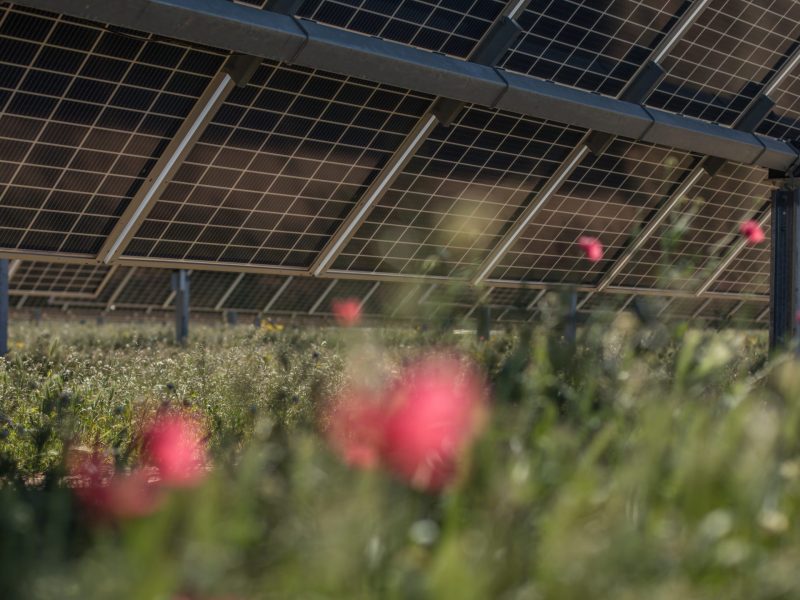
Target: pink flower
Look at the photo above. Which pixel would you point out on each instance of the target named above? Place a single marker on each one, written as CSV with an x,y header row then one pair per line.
x,y
356,428
418,428
174,445
752,231
347,311
436,409
591,247
106,494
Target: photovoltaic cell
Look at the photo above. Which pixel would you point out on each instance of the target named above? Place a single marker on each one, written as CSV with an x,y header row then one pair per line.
x,y
694,238
458,194
84,112
448,26
609,198
282,163
591,44
725,58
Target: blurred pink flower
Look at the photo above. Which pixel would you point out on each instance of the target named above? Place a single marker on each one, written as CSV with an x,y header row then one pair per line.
x,y
591,247
436,408
356,428
752,231
418,428
109,495
347,311
174,445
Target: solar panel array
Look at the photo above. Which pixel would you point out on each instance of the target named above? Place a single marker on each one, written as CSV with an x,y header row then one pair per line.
x,y
87,110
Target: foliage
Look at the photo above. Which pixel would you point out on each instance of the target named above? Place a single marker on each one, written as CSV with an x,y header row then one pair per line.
x,y
640,462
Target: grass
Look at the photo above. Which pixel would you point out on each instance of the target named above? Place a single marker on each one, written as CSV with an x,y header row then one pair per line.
x,y
643,462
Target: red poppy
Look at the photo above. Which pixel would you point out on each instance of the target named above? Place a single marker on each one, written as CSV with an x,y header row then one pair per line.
x,y
347,311
173,444
752,231
591,247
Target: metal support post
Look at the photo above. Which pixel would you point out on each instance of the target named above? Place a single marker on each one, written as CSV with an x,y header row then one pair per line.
x,y
785,264
180,285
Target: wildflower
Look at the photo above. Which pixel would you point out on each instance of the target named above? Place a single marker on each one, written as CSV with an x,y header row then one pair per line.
x,y
107,494
418,428
752,231
173,444
591,247
347,311
437,407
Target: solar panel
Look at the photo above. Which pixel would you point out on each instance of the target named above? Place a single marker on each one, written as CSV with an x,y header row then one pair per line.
x,y
784,120
448,26
254,292
278,168
607,197
723,60
207,287
58,279
85,110
458,194
588,44
146,288
750,271
698,231
300,295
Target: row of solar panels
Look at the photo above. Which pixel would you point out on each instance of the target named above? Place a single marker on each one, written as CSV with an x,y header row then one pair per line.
x,y
87,110
136,290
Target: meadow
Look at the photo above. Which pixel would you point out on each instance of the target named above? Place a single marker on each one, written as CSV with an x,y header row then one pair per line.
x,y
641,461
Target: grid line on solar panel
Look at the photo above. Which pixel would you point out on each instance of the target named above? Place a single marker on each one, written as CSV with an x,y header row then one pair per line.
x,y
722,62
448,26
609,197
277,170
592,45
749,272
84,112
458,194
42,277
683,250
